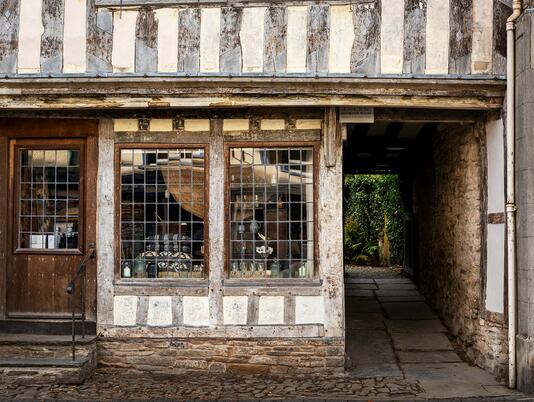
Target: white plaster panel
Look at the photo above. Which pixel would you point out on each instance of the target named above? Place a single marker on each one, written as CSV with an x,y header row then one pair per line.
x,y
196,311
495,268
297,33
160,125
309,310
210,27
123,57
272,124
341,39
437,37
392,36
271,310
124,310
495,158
235,124
196,125
167,39
30,31
252,27
74,36
125,125
159,311
235,310
482,37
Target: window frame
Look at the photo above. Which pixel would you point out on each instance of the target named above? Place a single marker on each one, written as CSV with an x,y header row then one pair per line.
x,y
315,145
47,144
118,217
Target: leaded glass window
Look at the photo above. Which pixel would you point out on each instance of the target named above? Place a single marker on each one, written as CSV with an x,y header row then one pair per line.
x,y
271,221
49,199
162,212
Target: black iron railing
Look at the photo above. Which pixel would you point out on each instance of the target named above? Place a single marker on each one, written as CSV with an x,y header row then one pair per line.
x,y
80,274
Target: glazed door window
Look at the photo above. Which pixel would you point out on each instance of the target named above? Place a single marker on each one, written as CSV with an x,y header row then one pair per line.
x,y
49,199
271,210
162,202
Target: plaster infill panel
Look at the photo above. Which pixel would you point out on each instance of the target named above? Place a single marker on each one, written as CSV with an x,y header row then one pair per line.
x,y
124,311
159,311
235,309
196,311
271,310
309,310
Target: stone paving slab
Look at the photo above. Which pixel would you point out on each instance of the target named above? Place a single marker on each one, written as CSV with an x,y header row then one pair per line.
x,y
408,311
391,299
432,356
361,286
397,292
353,305
370,348
415,326
411,341
365,321
397,286
392,280
358,293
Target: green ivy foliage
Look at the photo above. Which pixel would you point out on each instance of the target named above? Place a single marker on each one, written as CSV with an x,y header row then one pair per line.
x,y
373,220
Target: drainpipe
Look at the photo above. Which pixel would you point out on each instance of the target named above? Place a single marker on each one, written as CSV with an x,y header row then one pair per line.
x,y
510,191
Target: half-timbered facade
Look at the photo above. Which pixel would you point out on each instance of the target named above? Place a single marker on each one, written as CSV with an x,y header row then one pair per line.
x,y
197,149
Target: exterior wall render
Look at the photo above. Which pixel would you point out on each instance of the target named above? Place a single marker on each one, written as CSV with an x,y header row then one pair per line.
x,y
300,316
450,206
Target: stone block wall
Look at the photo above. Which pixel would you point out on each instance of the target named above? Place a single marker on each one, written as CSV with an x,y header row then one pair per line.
x,y
239,356
449,205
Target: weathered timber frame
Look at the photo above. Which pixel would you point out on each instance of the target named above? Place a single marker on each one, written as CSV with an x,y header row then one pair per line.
x,y
164,91
278,144
118,217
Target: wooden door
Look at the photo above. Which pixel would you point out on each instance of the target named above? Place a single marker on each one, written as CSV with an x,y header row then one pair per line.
x,y
51,221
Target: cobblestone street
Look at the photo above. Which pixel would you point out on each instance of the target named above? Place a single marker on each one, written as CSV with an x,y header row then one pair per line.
x,y
397,350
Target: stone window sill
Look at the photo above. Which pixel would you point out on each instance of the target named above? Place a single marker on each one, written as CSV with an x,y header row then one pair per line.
x,y
273,283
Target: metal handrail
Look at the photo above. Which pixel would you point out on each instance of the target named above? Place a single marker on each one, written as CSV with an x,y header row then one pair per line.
x,y
80,273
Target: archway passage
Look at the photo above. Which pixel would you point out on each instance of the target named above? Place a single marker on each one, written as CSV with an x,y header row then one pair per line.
x,y
428,319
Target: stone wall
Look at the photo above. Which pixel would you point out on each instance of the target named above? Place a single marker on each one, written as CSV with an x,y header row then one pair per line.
x,y
221,355
449,205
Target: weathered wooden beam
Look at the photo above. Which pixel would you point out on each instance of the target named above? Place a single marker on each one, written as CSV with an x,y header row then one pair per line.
x,y
331,136
501,12
318,38
414,36
230,47
146,41
9,21
99,39
365,55
52,38
189,40
461,36
275,40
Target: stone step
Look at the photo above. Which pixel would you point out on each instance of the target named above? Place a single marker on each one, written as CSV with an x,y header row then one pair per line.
x,y
45,326
42,370
44,346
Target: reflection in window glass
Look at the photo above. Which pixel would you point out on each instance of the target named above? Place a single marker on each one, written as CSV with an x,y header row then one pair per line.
x,y
49,196
271,212
162,213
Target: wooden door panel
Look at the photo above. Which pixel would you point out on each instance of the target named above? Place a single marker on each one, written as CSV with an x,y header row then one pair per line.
x,y
38,272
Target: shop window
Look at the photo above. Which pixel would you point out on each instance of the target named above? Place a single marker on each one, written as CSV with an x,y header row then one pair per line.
x,y
162,202
271,212
49,199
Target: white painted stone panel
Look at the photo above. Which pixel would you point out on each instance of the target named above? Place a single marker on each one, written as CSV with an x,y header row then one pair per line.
x,y
297,28
392,37
160,125
167,39
341,39
124,310
482,37
74,37
30,31
196,311
210,28
495,158
196,125
309,124
235,124
123,57
235,310
125,125
252,28
495,268
271,310
159,311
309,310
437,37
272,124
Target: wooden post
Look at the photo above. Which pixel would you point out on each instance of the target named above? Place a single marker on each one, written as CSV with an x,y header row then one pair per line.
x,y
331,136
